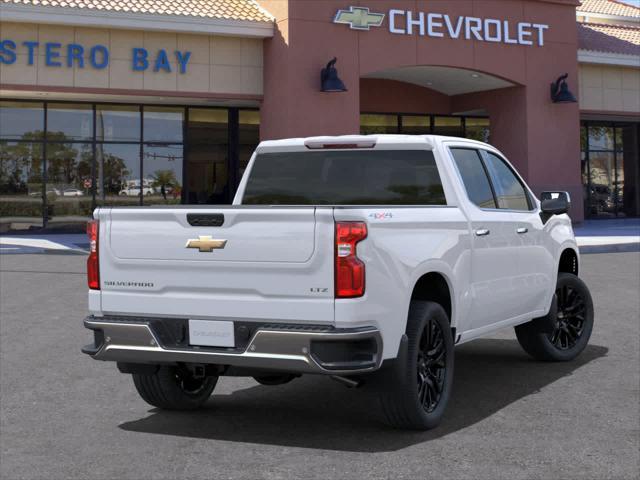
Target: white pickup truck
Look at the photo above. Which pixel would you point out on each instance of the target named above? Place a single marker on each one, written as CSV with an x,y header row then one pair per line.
x,y
366,258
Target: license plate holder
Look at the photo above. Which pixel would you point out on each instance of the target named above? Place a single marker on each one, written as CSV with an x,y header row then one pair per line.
x,y
211,333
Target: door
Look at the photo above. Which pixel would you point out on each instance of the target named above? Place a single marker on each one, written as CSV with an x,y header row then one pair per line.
x,y
494,270
536,264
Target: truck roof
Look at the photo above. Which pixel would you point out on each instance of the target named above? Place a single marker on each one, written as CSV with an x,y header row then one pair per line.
x,y
366,141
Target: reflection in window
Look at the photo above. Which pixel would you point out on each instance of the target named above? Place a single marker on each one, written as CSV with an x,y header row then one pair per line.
x,y
449,126
21,120
207,156
118,174
69,176
162,168
21,185
416,124
602,189
118,123
477,129
248,137
510,193
349,177
374,123
163,124
601,138
474,177
67,121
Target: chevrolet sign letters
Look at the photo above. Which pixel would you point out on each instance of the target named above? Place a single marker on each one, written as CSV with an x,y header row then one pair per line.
x,y
439,25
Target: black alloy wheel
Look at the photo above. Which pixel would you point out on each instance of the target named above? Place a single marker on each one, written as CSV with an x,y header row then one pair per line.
x,y
415,388
571,318
431,366
562,334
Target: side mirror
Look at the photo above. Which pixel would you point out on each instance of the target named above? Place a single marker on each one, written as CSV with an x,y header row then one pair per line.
x,y
555,203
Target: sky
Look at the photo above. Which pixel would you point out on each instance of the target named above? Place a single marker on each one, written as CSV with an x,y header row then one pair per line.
x,y
635,3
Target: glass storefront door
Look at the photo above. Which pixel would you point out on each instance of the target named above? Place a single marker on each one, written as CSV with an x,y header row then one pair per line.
x,y
610,169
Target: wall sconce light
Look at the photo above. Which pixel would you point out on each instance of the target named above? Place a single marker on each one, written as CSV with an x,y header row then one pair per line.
x,y
329,80
560,92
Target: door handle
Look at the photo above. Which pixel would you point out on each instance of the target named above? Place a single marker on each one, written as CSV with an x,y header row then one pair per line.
x,y
483,232
522,230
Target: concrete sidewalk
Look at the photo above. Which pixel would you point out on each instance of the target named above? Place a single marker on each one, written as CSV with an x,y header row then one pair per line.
x,y
44,243
601,236
593,236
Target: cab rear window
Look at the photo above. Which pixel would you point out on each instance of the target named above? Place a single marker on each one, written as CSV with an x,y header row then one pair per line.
x,y
347,177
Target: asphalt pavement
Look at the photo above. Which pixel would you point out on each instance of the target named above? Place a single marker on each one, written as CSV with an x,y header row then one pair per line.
x,y
65,416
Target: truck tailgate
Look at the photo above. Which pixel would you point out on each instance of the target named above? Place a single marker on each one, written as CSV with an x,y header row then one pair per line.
x,y
272,267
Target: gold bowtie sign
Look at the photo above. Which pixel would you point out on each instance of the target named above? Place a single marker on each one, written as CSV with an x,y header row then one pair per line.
x,y
205,243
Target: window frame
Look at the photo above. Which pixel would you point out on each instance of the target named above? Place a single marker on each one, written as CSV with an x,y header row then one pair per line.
x,y
533,207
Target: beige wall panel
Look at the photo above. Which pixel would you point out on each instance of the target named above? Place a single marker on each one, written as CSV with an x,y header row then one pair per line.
x,y
251,52
631,100
226,78
612,78
198,45
19,72
55,76
19,32
226,51
631,79
224,65
90,77
154,41
56,34
88,37
121,76
252,80
195,80
592,99
123,41
612,99
591,75
609,88
160,80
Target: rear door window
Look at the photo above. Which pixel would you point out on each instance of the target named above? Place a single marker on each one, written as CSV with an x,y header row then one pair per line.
x,y
345,177
474,176
510,193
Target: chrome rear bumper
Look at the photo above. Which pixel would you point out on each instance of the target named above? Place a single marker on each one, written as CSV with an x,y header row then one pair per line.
x,y
290,348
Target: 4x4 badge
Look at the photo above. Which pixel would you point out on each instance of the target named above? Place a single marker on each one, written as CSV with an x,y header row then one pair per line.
x,y
359,18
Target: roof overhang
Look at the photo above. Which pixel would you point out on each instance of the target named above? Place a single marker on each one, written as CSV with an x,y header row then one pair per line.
x,y
134,21
607,58
606,16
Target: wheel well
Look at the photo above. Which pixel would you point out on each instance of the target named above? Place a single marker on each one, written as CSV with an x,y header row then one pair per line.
x,y
568,262
433,287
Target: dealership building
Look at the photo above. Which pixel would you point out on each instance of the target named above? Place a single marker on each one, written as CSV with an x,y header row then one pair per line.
x,y
129,102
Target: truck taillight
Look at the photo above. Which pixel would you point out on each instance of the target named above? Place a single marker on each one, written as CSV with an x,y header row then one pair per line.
x,y
349,269
93,265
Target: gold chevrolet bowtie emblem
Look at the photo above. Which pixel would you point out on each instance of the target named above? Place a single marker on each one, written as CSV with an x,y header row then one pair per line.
x,y
205,243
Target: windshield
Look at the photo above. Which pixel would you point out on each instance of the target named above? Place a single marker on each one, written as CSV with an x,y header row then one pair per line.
x,y
347,177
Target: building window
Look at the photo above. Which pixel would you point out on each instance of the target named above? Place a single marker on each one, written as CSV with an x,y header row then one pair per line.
x,y
371,123
610,170
59,160
477,128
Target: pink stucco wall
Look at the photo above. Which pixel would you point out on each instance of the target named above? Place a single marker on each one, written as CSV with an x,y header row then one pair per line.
x,y
540,137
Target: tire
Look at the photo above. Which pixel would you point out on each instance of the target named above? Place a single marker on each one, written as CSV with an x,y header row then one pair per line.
x,y
572,329
173,388
275,379
408,400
